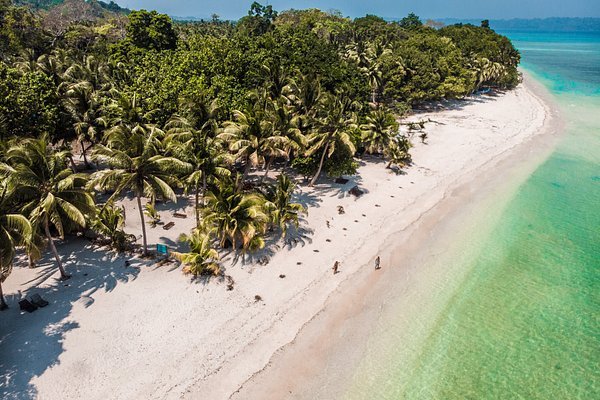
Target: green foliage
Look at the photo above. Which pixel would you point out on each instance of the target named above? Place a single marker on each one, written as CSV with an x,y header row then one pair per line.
x,y
202,106
202,259
110,223
151,30
279,206
28,102
234,217
411,21
479,43
152,214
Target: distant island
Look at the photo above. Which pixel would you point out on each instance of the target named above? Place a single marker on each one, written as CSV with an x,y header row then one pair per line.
x,y
536,24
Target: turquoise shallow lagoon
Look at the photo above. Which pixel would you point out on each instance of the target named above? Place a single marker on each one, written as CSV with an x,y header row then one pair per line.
x,y
525,322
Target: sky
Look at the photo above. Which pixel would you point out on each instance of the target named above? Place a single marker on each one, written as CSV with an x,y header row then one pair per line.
x,y
491,9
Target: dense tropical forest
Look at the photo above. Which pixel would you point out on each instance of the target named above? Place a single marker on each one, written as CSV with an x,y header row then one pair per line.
x,y
97,103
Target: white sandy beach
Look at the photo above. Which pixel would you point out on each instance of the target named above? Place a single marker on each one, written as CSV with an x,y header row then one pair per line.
x,y
147,332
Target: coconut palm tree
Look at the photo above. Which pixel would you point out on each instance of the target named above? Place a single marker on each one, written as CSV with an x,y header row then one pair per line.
x,y
334,129
85,107
397,152
201,150
136,164
234,216
279,206
52,195
288,124
15,229
202,258
109,223
305,95
92,72
378,132
252,139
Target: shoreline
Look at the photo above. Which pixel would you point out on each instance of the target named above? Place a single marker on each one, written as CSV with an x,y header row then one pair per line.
x,y
337,339
215,343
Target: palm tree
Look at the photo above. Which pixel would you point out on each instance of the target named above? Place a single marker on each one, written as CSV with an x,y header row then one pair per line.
x,y
14,231
51,194
397,152
110,223
92,72
235,216
85,107
279,205
201,150
251,138
136,164
202,258
378,132
337,122
276,80
306,94
289,125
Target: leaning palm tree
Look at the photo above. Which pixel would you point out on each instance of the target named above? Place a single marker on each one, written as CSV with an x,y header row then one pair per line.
x,y
235,216
136,164
378,132
14,231
335,126
52,195
202,259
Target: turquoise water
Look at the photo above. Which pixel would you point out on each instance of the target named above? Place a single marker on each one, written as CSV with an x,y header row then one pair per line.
x,y
525,323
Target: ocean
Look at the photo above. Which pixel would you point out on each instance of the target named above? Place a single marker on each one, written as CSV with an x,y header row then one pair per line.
x,y
524,323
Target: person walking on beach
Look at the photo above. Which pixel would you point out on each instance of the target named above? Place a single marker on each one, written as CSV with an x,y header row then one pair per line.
x,y
336,267
377,263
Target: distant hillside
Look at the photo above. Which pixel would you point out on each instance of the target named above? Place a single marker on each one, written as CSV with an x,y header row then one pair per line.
x,y
538,24
57,16
48,4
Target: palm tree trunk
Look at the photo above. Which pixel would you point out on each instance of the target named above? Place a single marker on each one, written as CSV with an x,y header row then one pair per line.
x,y
314,179
139,202
267,167
63,275
73,166
197,204
83,153
204,186
3,305
30,260
245,175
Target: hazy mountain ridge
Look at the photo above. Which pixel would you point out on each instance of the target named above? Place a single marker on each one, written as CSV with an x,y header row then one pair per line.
x,y
49,4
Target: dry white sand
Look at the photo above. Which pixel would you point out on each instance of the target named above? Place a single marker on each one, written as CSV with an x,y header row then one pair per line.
x,y
147,332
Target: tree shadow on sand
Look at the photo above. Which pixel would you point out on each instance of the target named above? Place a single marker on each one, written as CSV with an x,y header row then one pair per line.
x,y
274,242
32,343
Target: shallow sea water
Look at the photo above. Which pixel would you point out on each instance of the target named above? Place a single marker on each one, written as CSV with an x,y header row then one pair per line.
x,y
525,322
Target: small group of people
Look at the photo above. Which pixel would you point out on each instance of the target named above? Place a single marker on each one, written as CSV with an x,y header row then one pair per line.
x,y
336,265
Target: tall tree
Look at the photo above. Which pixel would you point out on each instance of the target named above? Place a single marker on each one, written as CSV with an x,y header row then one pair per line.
x,y
52,195
136,164
235,217
201,150
337,122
